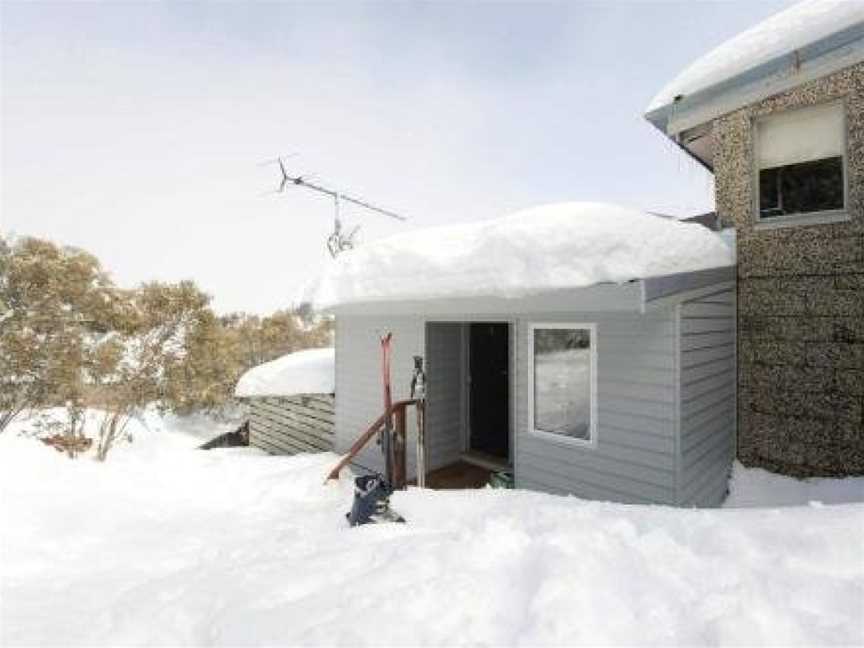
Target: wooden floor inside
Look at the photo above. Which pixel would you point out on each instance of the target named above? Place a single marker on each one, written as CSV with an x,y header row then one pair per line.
x,y
458,475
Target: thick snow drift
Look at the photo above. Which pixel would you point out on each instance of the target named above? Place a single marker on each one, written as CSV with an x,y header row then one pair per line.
x,y
304,372
166,545
756,487
546,248
783,33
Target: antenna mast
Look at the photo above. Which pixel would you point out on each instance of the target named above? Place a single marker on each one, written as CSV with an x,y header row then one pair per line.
x,y
337,241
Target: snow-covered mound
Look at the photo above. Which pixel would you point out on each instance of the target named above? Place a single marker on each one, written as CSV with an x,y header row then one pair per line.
x,y
756,487
781,34
147,433
304,372
235,547
546,248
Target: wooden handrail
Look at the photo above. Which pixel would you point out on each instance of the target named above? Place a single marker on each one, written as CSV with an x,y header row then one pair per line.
x,y
398,409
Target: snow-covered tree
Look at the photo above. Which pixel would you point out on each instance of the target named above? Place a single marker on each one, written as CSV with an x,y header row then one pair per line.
x,y
69,337
51,298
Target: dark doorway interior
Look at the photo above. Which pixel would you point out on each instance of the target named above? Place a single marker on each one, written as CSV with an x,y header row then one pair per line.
x,y
489,367
458,475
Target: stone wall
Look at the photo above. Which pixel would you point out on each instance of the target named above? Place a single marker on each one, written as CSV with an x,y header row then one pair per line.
x,y
800,304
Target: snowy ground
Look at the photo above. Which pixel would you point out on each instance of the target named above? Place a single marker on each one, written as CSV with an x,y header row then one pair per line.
x,y
167,545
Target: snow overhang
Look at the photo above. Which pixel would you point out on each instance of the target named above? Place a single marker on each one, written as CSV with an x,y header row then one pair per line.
x,y
636,296
306,372
686,118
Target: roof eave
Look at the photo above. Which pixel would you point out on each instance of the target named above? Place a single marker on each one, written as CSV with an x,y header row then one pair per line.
x,y
635,296
668,290
818,59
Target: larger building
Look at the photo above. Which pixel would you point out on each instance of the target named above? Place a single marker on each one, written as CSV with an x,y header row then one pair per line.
x,y
777,114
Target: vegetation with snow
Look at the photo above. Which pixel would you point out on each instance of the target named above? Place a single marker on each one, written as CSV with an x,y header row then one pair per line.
x,y
70,337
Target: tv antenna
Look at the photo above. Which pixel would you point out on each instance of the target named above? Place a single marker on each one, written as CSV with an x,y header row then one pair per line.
x,y
338,241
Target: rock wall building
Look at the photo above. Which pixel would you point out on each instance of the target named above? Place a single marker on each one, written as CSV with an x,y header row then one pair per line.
x,y
800,299
783,133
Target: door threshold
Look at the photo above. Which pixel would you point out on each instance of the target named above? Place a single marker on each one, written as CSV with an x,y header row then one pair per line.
x,y
483,460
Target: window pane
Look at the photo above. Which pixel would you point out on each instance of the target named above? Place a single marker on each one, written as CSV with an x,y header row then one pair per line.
x,y
801,188
562,382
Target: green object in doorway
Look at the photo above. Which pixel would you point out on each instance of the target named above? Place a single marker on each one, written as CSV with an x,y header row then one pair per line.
x,y
501,480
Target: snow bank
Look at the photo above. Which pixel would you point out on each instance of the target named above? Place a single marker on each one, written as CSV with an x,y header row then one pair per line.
x,y
235,547
756,487
783,33
305,372
532,251
148,435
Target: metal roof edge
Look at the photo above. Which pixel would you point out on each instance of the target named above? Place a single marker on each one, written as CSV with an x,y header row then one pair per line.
x,y
818,59
666,290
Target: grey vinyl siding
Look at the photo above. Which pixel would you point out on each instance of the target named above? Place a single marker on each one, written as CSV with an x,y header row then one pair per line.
x,y
291,425
445,393
708,417
665,398
358,380
635,454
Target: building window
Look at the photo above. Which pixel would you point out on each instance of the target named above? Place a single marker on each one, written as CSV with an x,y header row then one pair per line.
x,y
563,381
800,159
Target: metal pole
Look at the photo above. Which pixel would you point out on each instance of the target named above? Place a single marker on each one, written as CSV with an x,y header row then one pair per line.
x,y
300,181
421,443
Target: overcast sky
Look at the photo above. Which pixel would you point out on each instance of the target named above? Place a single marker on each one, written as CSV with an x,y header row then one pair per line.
x,y
136,131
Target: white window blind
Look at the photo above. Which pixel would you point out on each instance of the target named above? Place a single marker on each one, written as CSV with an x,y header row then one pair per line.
x,y
800,135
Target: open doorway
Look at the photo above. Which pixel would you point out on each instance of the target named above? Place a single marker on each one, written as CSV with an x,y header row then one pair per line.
x,y
489,390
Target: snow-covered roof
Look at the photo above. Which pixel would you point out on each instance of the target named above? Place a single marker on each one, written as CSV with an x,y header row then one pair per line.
x,y
781,34
539,250
304,372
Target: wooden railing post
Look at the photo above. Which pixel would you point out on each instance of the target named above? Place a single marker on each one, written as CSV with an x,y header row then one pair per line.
x,y
399,468
370,432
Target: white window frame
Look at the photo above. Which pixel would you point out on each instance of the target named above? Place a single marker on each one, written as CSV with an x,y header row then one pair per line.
x,y
591,442
803,218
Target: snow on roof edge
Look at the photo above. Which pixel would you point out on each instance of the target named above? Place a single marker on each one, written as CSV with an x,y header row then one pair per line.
x,y
311,371
775,37
534,251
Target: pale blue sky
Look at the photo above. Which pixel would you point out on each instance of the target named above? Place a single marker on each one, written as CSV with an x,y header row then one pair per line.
x,y
134,130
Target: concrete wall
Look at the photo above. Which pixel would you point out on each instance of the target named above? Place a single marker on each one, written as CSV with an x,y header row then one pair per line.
x,y
800,304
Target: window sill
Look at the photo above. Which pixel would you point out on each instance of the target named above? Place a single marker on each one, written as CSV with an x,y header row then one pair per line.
x,y
565,440
796,220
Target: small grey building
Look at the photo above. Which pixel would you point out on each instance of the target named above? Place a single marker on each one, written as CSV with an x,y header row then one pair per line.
x,y
614,391
777,115
290,402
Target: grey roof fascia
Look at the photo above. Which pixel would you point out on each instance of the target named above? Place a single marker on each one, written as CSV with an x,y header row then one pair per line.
x,y
663,291
635,296
602,297
820,58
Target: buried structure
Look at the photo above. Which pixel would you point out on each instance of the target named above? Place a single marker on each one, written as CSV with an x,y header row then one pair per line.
x,y
290,402
586,348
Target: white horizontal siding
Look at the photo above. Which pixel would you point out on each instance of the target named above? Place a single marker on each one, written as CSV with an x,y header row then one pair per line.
x,y
634,459
359,389
646,378
708,418
445,388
